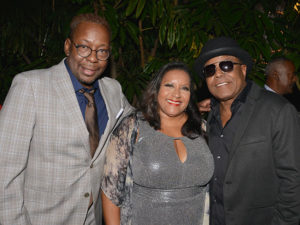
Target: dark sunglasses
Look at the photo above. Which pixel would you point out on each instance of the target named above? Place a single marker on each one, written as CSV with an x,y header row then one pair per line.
x,y
225,66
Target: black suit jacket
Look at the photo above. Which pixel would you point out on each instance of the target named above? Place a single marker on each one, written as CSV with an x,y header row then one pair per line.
x,y
262,182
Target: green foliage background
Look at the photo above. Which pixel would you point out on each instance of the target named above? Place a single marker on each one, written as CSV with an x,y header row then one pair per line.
x,y
147,34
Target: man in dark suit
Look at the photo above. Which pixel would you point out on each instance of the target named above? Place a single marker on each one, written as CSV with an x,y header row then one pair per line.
x,y
254,136
281,76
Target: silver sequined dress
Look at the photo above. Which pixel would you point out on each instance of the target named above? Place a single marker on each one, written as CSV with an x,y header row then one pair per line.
x,y
162,189
166,190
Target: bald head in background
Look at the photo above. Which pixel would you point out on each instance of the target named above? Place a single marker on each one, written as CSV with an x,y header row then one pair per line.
x,y
281,76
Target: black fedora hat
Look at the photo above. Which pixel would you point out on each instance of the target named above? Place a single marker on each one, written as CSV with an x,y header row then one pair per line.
x,y
221,46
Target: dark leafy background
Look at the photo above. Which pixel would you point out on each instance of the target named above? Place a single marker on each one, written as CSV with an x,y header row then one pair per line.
x,y
147,34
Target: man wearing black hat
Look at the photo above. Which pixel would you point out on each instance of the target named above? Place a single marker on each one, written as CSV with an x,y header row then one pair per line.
x,y
254,136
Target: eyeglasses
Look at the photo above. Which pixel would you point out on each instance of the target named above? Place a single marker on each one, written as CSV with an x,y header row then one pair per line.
x,y
85,51
225,66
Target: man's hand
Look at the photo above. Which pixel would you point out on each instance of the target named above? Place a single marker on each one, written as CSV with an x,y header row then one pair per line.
x,y
204,105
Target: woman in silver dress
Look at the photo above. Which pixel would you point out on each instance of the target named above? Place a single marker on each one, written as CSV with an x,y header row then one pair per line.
x,y
158,164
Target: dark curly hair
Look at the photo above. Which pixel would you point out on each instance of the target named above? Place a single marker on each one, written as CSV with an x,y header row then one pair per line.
x,y
149,103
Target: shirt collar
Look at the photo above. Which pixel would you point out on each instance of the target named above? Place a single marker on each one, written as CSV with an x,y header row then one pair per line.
x,y
77,86
268,88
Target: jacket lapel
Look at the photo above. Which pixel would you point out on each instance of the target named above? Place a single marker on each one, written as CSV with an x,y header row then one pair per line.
x,y
114,109
66,94
247,113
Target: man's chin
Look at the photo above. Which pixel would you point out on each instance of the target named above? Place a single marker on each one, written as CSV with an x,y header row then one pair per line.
x,y
224,98
87,84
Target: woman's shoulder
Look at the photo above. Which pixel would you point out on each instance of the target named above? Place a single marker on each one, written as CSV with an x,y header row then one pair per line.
x,y
128,120
126,127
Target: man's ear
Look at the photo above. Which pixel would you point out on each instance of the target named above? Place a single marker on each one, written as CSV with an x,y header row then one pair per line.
x,y
275,75
244,70
67,46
